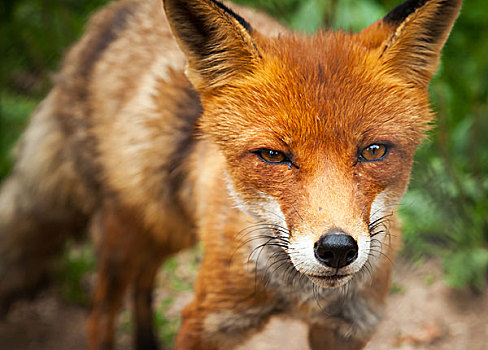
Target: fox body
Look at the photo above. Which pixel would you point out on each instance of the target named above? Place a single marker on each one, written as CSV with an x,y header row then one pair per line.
x,y
285,154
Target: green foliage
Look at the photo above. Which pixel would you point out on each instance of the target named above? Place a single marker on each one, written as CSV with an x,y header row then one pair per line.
x,y
77,262
13,112
355,15
35,33
467,267
397,289
175,281
34,36
446,209
167,326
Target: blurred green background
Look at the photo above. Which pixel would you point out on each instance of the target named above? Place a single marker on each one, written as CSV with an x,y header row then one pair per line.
x,y
445,212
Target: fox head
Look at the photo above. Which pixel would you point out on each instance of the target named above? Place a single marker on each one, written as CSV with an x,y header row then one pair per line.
x,y
318,132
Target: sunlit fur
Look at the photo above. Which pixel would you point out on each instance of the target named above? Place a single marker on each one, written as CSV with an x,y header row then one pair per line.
x,y
150,140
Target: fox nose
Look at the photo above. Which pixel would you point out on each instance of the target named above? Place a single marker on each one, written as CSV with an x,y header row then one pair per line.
x,y
336,250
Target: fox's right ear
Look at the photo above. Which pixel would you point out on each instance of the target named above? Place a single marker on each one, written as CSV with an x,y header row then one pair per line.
x,y
216,41
410,37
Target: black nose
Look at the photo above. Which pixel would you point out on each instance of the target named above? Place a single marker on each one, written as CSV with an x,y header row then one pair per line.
x,y
336,250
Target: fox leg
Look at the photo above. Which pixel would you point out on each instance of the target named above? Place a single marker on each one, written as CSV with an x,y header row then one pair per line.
x,y
204,329
229,307
128,257
324,338
119,255
143,289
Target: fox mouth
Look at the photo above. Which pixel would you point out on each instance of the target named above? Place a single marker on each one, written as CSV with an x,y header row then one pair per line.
x,y
330,281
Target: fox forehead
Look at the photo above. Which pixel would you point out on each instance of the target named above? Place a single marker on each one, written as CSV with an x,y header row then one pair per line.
x,y
315,89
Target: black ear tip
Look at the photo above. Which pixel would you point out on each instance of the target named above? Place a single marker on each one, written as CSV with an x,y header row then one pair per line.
x,y
186,4
399,13
238,18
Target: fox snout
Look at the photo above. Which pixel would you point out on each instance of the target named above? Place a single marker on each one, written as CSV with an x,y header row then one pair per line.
x,y
331,260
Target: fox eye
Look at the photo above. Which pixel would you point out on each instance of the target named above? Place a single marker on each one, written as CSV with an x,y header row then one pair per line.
x,y
374,152
272,156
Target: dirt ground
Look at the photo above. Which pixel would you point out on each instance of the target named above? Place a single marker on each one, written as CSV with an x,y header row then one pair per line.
x,y
422,313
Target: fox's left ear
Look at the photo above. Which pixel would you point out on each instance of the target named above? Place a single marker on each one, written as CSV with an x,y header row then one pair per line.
x,y
217,42
409,38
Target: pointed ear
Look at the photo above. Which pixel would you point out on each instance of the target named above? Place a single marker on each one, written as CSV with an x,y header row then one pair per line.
x,y
216,41
411,36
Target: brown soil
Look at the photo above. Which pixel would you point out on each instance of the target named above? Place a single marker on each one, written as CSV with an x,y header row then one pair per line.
x,y
422,313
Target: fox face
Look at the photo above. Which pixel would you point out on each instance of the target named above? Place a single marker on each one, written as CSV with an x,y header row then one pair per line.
x,y
320,147
318,133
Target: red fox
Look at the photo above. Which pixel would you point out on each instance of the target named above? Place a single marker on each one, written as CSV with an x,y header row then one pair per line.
x,y
285,154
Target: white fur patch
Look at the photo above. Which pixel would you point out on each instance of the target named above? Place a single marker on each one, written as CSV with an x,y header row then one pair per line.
x,y
266,209
381,208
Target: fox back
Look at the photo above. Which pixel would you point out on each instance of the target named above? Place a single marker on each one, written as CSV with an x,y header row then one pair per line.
x,y
285,154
